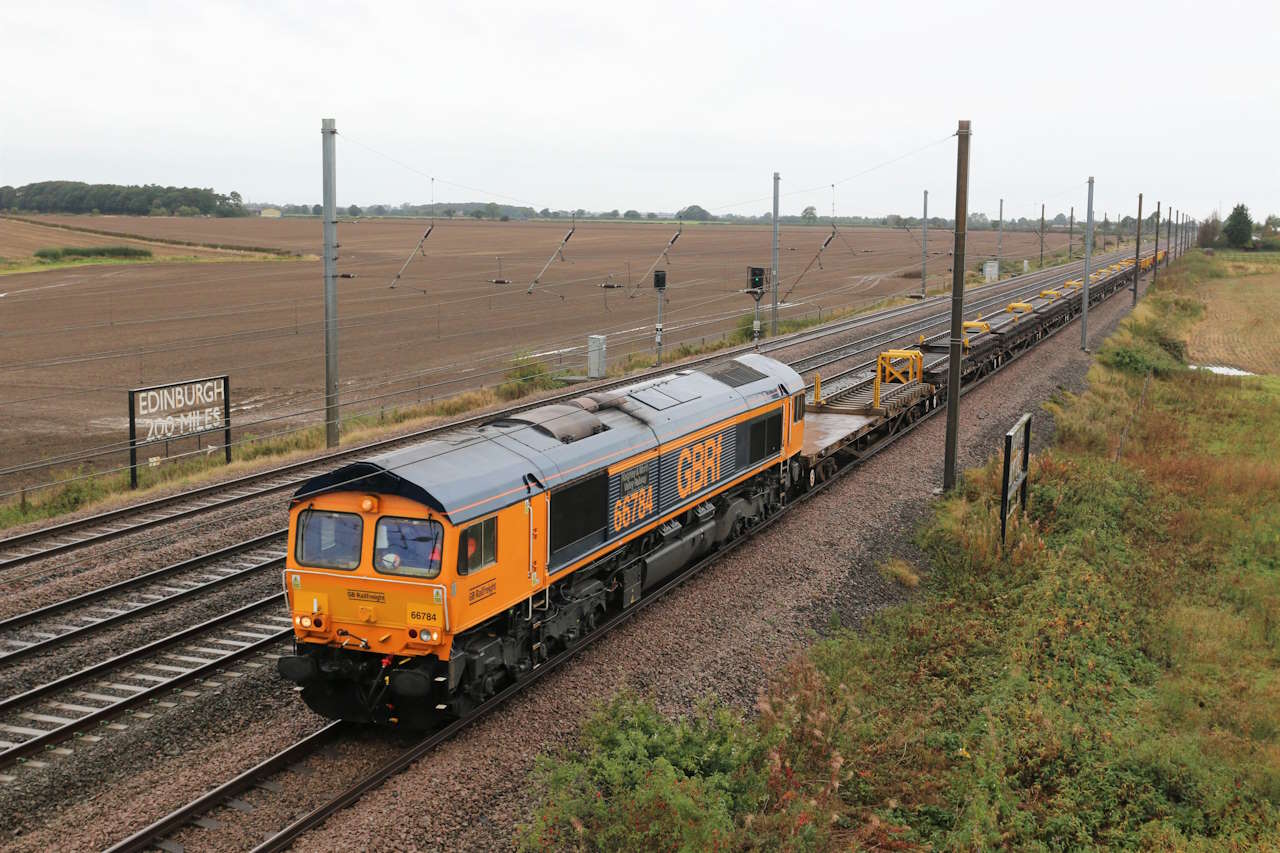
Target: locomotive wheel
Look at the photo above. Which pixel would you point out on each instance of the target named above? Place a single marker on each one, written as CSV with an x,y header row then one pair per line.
x,y
813,477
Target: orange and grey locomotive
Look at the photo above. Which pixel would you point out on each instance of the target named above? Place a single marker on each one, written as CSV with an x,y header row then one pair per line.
x,y
423,581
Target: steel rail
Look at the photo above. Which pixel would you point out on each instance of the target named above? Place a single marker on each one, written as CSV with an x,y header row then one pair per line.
x,y
23,620
47,738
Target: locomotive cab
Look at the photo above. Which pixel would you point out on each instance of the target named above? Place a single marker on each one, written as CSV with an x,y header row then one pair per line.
x,y
365,577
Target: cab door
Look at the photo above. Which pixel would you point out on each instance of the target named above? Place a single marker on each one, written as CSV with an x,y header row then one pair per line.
x,y
536,510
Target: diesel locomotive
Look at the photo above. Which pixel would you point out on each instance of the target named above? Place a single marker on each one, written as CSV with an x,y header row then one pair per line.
x,y
423,581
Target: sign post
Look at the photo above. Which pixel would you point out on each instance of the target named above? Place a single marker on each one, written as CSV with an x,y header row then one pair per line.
x,y
178,410
1017,456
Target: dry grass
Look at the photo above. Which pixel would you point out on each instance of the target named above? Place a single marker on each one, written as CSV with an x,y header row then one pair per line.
x,y
898,569
1243,313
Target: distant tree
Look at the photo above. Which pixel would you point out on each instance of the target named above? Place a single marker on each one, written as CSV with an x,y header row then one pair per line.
x,y
158,211
580,212
651,215
1272,224
1238,228
694,213
612,214
449,212
980,220
353,210
545,213
478,213
809,215
316,210
236,200
187,210
492,211
504,218
631,214
1060,219
1208,232
379,210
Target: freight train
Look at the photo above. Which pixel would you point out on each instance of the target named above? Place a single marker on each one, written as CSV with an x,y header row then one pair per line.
x,y
423,581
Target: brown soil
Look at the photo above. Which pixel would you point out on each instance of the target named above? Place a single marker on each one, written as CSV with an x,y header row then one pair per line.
x,y
73,341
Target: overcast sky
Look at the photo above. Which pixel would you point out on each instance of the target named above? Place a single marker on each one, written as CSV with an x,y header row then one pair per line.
x,y
655,105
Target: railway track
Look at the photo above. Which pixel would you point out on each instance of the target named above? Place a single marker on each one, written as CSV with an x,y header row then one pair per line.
x,y
67,536
47,716
73,618
45,628
155,835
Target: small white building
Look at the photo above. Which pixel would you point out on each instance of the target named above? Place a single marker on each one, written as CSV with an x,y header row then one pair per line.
x,y
270,213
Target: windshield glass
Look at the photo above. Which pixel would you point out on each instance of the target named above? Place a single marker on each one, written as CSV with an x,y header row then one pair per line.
x,y
328,540
408,546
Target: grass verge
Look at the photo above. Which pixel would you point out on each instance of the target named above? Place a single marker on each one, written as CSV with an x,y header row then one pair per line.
x,y
1107,678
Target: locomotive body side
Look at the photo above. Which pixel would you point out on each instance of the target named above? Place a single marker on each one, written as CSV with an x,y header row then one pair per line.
x,y
478,558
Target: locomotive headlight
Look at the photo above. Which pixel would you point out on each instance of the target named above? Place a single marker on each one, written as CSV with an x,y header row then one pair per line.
x,y
305,621
435,636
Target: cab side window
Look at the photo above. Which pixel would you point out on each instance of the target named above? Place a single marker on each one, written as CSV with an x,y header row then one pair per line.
x,y
797,408
478,546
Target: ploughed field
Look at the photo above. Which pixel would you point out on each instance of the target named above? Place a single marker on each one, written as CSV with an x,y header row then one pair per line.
x,y
21,240
73,341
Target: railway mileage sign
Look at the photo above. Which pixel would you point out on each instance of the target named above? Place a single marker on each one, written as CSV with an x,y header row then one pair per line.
x,y
178,410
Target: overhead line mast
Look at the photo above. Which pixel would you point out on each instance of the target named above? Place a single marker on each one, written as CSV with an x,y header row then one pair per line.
x,y
559,252
328,132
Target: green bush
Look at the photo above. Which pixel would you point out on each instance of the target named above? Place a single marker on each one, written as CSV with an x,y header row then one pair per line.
x,y
527,375
92,252
641,781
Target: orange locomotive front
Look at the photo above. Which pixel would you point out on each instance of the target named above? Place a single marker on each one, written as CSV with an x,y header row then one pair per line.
x,y
423,581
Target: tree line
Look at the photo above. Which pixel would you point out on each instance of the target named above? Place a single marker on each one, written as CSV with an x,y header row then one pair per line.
x,y
444,210
146,200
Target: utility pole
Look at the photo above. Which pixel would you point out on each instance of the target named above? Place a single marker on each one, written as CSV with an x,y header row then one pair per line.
x,y
1071,232
328,134
1041,235
924,248
1000,241
957,307
1088,259
1155,253
773,325
1137,251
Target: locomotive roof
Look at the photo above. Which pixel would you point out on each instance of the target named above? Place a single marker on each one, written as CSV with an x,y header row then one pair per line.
x,y
467,472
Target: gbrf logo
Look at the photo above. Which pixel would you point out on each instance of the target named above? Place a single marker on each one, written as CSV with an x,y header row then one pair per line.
x,y
699,466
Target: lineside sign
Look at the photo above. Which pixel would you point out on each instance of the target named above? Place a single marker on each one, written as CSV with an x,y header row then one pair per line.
x,y
181,409
1017,456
